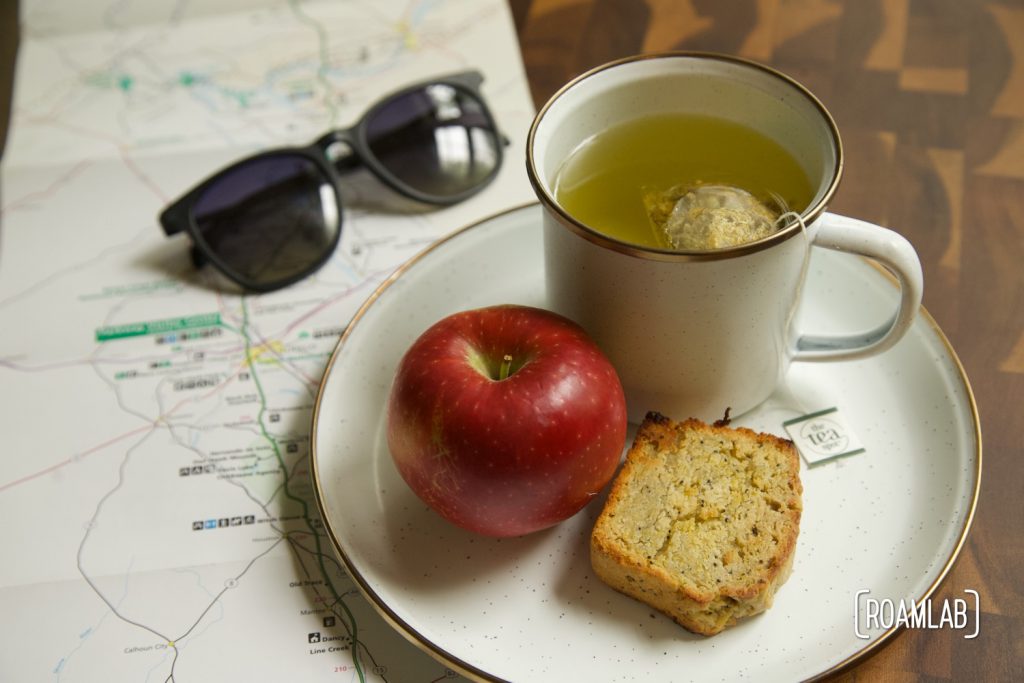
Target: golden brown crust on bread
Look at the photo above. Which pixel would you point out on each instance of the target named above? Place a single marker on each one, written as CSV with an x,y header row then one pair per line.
x,y
701,522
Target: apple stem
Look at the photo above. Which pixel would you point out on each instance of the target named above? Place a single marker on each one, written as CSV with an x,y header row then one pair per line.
x,y
506,365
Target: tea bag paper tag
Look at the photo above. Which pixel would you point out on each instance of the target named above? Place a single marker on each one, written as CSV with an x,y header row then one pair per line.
x,y
823,435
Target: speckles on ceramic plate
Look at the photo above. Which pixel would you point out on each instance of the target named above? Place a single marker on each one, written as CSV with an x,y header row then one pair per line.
x,y
530,608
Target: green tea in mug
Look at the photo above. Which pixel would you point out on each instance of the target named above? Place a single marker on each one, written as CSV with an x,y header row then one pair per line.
x,y
682,181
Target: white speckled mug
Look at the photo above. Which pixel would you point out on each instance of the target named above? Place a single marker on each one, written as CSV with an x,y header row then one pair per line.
x,y
694,332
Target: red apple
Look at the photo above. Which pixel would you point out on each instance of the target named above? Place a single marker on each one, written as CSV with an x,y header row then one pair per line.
x,y
506,420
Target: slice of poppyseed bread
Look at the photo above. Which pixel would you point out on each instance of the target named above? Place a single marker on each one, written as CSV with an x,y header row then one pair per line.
x,y
701,522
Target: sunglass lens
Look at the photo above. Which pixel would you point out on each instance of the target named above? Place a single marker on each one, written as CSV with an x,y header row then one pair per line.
x,y
270,219
438,140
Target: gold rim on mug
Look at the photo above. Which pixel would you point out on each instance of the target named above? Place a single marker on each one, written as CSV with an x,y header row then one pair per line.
x,y
473,672
809,215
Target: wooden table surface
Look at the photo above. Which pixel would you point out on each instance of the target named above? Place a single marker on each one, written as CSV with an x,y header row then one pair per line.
x,y
929,99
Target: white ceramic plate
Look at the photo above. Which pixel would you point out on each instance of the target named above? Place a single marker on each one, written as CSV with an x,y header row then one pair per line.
x,y
890,521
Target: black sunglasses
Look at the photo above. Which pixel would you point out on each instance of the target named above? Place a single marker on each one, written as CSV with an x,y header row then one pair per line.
x,y
271,219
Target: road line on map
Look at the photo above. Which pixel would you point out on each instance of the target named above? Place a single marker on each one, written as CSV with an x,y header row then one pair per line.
x,y
354,628
88,530
77,457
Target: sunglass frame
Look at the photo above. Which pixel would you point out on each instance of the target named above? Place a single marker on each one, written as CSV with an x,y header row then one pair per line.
x,y
179,217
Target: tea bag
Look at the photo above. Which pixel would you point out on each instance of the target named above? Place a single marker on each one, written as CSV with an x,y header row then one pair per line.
x,y
709,216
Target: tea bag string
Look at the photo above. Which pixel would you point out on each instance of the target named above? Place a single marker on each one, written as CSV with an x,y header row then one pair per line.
x,y
794,404
782,221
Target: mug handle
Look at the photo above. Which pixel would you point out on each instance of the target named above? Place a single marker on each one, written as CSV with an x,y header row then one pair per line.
x,y
894,252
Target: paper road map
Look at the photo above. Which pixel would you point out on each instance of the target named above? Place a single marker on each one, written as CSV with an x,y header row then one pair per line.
x,y
159,516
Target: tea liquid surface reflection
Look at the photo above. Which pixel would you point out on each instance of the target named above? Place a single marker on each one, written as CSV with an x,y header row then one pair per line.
x,y
603,182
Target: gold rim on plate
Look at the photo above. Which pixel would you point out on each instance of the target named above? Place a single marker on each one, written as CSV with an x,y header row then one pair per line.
x,y
475,673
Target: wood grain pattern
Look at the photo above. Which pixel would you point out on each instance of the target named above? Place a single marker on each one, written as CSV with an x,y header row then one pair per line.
x,y
929,97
